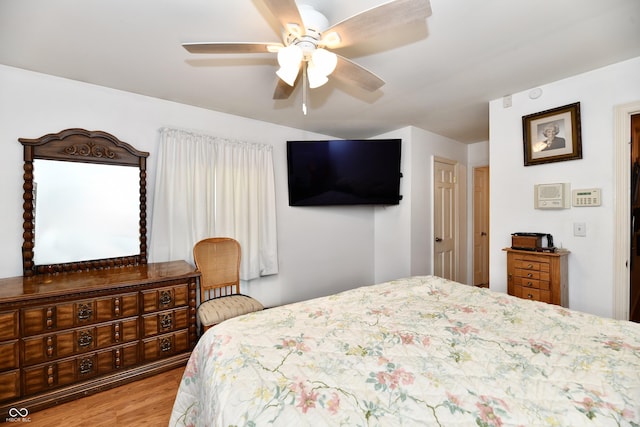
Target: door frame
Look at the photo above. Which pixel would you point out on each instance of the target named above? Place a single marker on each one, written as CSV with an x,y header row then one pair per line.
x,y
622,171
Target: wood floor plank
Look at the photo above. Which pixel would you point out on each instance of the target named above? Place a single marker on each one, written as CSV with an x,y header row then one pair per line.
x,y
146,402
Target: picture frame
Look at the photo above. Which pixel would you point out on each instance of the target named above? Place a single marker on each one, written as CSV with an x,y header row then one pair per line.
x,y
552,135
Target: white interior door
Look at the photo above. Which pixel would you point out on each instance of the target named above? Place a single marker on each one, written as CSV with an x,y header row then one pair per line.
x,y
444,224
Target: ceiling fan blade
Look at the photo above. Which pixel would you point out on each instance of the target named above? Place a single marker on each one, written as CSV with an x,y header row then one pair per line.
x,y
240,47
287,13
375,21
283,90
352,73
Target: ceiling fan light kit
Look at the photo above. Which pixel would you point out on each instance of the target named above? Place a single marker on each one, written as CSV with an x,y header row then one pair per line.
x,y
289,59
324,61
308,38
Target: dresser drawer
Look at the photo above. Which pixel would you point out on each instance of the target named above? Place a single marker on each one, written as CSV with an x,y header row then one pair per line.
x,y
63,372
165,321
532,294
531,264
165,298
527,274
532,274
10,325
40,319
165,345
531,256
532,283
527,265
43,348
9,385
9,355
74,369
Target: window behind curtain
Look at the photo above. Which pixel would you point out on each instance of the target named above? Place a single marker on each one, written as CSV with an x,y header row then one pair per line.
x,y
213,187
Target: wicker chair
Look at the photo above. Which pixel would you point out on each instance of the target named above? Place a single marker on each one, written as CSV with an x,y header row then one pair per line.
x,y
218,261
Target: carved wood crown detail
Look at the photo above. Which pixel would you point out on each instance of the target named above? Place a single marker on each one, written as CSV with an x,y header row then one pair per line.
x,y
90,149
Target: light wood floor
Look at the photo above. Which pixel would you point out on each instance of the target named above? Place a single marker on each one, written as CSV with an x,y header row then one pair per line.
x,y
147,402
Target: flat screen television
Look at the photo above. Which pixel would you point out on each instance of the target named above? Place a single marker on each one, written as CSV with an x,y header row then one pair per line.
x,y
344,172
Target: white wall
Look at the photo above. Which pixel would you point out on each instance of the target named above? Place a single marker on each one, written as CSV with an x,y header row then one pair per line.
x,y
404,233
321,250
392,224
590,261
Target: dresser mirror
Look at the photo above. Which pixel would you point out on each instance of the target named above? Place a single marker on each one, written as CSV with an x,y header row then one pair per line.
x,y
73,221
84,203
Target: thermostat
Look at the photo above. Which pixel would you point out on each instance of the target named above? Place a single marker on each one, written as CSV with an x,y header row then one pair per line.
x,y
587,197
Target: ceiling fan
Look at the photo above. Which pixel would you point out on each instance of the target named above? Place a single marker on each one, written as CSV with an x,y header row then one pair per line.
x,y
308,42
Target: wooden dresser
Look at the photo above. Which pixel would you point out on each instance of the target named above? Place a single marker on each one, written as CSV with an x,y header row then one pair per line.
x,y
67,335
538,276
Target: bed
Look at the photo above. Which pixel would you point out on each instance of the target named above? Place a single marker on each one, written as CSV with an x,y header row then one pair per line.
x,y
417,351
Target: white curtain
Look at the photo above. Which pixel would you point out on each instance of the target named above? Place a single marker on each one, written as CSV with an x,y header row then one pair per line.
x,y
212,187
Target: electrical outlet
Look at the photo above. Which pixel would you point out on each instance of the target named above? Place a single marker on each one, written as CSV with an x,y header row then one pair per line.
x,y
579,229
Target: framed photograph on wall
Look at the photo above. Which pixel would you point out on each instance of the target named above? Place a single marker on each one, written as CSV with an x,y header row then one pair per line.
x,y
552,135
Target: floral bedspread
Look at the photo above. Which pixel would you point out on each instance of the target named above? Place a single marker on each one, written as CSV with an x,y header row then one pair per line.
x,y
417,351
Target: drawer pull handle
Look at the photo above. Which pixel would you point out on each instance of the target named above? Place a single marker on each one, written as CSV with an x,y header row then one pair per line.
x,y
49,317
116,308
50,376
530,296
530,266
165,345
166,321
529,275
85,339
165,298
49,346
84,312
529,284
86,366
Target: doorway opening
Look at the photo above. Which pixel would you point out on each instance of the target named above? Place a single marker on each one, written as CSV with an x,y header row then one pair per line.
x,y
622,172
634,226
481,226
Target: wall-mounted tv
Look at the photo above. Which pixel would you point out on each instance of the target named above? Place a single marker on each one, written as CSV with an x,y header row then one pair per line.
x,y
344,172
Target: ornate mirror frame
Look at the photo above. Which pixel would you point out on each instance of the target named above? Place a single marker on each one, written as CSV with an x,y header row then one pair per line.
x,y
79,145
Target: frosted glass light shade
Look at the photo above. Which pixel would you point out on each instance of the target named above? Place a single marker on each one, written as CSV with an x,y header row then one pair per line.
x,y
324,61
289,59
315,76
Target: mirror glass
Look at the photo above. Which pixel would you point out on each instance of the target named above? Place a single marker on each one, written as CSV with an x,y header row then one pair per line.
x,y
85,211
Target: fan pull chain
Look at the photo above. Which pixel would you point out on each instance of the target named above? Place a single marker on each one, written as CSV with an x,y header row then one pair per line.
x,y
304,88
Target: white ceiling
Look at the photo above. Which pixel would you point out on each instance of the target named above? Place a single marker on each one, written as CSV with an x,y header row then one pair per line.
x,y
439,77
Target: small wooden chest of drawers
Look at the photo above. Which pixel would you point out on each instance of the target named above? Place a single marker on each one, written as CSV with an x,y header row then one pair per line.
x,y
538,276
68,335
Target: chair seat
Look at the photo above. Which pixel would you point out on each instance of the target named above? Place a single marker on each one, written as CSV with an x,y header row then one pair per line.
x,y
216,310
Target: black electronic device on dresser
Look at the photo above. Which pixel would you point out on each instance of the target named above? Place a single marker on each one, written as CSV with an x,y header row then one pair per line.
x,y
535,242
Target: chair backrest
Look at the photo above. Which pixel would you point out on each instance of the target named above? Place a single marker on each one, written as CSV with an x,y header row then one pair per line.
x,y
218,261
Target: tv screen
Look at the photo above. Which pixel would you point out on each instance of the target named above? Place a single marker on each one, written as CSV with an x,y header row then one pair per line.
x,y
344,172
